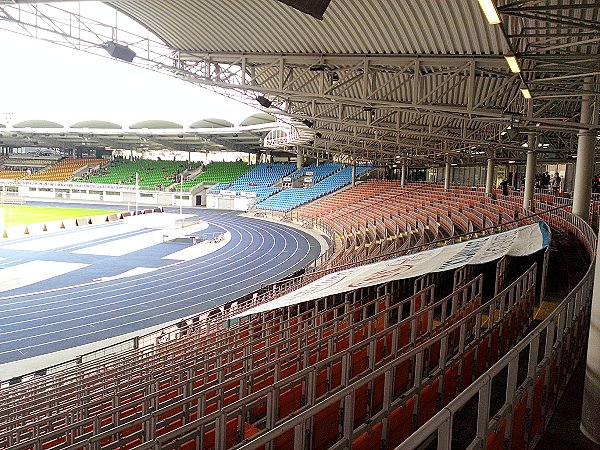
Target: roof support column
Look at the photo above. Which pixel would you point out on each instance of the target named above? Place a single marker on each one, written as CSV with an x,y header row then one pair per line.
x,y
585,158
447,175
403,175
354,174
489,176
299,160
530,174
590,426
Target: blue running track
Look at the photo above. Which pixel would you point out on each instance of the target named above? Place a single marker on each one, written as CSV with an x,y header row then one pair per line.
x,y
73,309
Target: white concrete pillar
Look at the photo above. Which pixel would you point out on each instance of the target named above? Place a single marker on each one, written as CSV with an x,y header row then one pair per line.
x,y
299,160
353,174
447,175
489,176
403,175
584,168
590,425
530,174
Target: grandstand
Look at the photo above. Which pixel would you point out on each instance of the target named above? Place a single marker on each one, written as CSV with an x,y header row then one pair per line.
x,y
150,173
12,174
446,313
397,351
261,179
65,169
219,173
326,182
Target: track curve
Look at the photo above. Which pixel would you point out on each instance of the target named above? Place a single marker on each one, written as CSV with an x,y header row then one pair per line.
x,y
34,322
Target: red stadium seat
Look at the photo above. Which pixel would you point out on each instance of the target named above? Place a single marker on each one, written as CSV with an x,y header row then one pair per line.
x,y
401,423
290,401
428,401
518,423
495,440
326,426
450,383
466,375
370,440
536,407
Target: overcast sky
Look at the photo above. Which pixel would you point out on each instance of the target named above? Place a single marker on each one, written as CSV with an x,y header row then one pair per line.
x,y
40,80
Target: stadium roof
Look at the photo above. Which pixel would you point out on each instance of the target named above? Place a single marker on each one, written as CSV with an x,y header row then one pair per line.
x,y
425,80
210,134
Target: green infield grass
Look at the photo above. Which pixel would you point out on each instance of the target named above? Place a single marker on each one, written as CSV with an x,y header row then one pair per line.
x,y
15,215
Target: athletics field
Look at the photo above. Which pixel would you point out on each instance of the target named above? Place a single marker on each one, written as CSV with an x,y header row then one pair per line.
x,y
15,215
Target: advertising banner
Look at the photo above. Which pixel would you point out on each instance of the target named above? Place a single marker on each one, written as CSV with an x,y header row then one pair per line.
x,y
521,241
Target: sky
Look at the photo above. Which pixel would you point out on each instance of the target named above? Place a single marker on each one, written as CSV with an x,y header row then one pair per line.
x,y
41,80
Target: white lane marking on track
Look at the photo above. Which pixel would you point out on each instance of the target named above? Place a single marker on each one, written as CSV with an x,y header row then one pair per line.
x,y
130,322
198,250
93,286
135,288
157,307
58,240
89,289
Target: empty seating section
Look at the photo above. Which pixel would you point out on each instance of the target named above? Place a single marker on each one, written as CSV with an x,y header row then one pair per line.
x,y
291,198
151,174
344,198
12,174
218,188
218,172
388,354
318,171
380,218
65,169
362,369
261,178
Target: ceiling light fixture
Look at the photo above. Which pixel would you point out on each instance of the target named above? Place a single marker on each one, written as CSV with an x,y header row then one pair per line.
x,y
512,62
490,11
525,92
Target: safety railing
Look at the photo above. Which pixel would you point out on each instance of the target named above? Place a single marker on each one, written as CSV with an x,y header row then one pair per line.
x,y
333,417
210,321
419,323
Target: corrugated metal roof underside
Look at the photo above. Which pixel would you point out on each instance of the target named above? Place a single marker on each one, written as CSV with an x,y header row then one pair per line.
x,y
454,27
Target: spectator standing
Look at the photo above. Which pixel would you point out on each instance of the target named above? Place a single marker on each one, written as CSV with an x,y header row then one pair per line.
x,y
504,186
556,183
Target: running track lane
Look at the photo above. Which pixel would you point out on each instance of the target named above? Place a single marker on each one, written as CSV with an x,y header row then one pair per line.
x,y
258,253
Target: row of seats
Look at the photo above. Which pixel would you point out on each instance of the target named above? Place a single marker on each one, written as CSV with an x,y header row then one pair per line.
x,y
222,173
150,173
12,174
384,218
369,327
65,169
291,198
319,171
261,179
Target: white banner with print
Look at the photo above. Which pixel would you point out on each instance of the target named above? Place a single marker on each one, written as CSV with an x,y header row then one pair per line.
x,y
521,241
